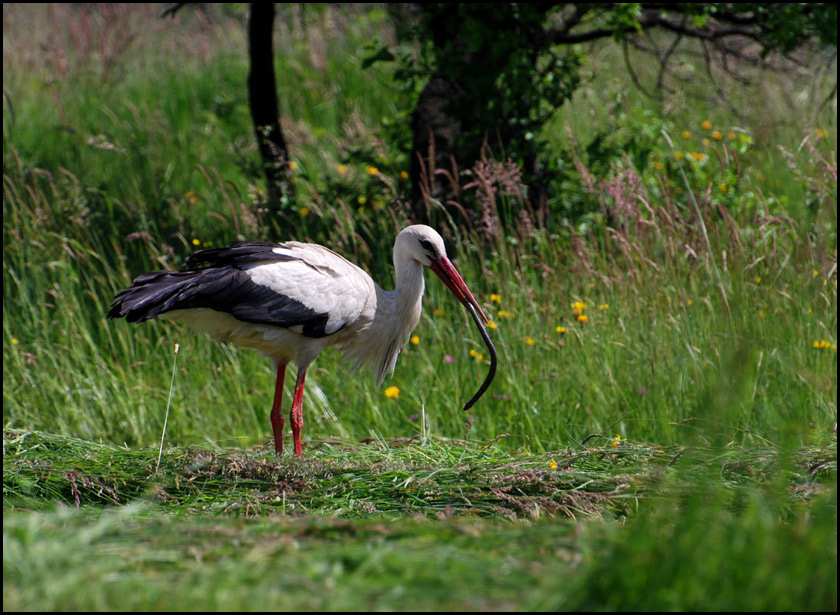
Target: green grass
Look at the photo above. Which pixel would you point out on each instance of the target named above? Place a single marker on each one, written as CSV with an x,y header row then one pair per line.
x,y
135,558
677,451
435,525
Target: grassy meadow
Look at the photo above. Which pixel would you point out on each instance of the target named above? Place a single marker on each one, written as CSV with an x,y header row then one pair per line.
x,y
661,433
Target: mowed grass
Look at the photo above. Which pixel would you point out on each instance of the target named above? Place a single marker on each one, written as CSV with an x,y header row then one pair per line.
x,y
674,449
435,525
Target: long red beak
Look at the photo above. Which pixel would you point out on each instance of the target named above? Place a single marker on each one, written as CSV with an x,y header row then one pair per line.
x,y
445,270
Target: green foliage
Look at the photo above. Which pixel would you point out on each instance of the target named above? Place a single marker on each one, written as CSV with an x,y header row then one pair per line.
x,y
789,24
636,199
482,48
509,79
711,551
782,26
496,75
661,428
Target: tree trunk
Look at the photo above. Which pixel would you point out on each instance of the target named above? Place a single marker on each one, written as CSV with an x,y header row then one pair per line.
x,y
262,96
436,134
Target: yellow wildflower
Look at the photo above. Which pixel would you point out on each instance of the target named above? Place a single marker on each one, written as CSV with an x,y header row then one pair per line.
x,y
495,298
14,341
392,392
686,134
731,135
724,187
706,125
603,306
293,165
371,170
560,329
698,156
820,133
192,197
529,341
403,175
552,465
342,169
658,165
583,318
758,279
679,155
361,200
578,307
617,441
504,314
415,339
717,135
706,142
196,242
304,211
439,312
491,325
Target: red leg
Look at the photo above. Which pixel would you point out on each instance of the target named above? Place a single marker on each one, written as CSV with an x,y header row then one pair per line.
x,y
296,415
277,421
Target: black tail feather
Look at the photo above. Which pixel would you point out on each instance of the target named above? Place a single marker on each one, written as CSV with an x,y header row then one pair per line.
x,y
152,294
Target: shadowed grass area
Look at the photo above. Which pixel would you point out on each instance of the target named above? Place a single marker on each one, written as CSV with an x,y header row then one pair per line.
x,y
135,558
277,563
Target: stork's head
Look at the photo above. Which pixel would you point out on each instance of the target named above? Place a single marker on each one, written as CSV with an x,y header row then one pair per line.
x,y
424,245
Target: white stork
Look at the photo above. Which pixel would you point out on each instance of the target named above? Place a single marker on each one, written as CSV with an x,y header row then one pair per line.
x,y
291,300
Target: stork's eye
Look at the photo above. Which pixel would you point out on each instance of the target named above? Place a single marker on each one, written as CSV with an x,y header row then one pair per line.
x,y
428,247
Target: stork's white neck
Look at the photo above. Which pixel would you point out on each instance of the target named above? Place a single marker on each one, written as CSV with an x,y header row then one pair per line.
x,y
397,314
409,284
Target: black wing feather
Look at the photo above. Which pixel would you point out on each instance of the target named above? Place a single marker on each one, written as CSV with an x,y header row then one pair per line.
x,y
222,286
238,254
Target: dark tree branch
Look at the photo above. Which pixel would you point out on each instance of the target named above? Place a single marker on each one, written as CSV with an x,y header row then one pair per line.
x,y
560,37
632,72
665,59
725,24
173,9
711,33
721,95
